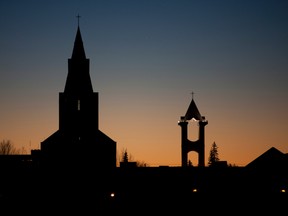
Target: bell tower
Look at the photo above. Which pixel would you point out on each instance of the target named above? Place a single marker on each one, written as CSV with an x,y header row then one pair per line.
x,y
188,145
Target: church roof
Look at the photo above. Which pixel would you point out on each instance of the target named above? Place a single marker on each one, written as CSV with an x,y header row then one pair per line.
x,y
78,49
193,112
272,157
78,80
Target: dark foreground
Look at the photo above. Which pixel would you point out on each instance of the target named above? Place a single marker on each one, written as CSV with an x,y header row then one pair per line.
x,y
143,191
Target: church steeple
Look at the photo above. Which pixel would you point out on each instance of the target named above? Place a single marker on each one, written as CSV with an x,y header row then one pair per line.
x,y
78,81
78,139
188,145
78,49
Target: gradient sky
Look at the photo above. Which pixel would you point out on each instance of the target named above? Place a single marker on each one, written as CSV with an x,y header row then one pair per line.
x,y
146,57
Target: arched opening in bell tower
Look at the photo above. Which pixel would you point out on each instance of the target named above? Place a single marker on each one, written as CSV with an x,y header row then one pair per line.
x,y
193,158
193,130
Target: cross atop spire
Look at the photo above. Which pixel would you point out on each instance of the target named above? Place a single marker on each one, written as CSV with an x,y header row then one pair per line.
x,y
78,18
192,94
78,79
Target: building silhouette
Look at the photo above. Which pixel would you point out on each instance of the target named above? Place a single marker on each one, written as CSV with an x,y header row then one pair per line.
x,y
187,145
75,168
79,142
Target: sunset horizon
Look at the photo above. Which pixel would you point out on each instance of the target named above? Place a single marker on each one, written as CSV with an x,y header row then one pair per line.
x,y
146,59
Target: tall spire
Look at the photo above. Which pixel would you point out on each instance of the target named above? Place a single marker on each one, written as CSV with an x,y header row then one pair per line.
x,y
78,50
78,80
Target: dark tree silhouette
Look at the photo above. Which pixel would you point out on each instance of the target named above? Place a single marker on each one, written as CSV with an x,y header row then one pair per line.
x,y
190,163
125,156
213,156
141,164
7,148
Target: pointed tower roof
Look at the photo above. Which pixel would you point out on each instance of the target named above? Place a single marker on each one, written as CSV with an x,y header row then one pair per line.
x,y
193,112
78,80
78,49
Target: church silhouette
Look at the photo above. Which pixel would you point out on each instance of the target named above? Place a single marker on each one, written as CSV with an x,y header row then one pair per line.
x,y
75,167
78,142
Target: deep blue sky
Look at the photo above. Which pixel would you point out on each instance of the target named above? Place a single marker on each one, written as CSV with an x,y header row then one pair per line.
x,y
146,57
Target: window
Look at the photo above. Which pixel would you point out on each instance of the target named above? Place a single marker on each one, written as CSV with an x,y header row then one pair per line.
x,y
78,107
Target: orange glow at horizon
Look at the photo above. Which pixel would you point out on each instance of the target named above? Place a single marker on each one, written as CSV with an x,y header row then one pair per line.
x,y
145,60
